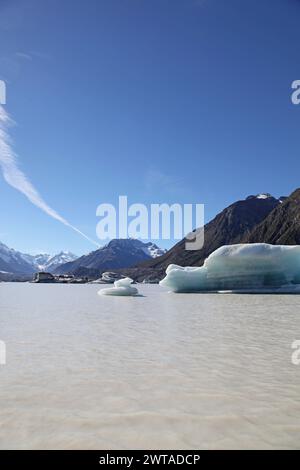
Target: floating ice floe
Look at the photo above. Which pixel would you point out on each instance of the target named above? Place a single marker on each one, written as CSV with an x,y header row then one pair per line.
x,y
108,278
121,287
244,268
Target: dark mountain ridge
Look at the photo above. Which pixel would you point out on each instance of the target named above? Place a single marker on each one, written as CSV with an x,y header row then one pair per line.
x,y
118,253
281,226
230,226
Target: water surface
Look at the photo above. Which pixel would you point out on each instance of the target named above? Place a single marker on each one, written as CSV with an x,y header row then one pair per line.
x,y
159,371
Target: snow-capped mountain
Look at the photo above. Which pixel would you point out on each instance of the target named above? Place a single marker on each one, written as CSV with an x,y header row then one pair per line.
x,y
46,262
53,261
153,250
118,253
261,196
267,196
12,261
41,260
264,196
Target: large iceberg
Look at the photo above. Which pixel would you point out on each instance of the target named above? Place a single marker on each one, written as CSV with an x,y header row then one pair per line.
x,y
257,267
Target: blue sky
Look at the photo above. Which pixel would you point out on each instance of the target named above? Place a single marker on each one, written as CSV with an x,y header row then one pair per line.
x,y
162,100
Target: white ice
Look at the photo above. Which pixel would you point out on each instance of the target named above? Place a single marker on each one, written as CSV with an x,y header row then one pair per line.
x,y
244,268
121,287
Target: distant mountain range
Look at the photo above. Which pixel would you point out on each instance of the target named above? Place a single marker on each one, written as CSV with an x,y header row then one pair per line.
x,y
15,262
118,253
260,218
50,263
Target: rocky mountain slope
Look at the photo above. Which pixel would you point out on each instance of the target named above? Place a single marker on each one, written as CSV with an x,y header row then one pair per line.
x,y
118,253
230,226
281,226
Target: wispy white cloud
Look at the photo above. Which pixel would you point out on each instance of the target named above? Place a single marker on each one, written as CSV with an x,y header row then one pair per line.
x,y
23,55
156,179
18,180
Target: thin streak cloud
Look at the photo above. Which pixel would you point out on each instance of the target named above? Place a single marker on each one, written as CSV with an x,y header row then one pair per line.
x,y
18,180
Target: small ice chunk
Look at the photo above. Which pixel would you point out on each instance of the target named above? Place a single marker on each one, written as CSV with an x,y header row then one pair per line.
x,y
121,287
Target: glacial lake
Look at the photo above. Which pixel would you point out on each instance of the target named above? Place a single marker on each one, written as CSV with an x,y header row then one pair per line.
x,y
159,371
